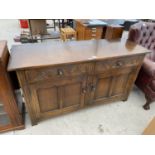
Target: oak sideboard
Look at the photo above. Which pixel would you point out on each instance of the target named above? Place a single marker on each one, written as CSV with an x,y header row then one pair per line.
x,y
58,78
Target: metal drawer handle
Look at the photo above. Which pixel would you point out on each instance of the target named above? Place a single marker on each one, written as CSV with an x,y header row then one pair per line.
x,y
93,88
93,28
118,64
60,72
84,91
93,35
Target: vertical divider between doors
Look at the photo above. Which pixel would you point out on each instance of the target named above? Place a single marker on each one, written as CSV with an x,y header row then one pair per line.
x,y
112,86
61,92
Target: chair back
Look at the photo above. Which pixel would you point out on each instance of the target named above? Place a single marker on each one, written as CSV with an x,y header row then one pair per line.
x,y
143,33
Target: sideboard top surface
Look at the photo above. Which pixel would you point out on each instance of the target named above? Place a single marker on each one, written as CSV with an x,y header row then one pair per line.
x,y
34,55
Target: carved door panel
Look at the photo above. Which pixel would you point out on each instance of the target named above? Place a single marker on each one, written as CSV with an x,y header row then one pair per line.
x,y
58,96
111,85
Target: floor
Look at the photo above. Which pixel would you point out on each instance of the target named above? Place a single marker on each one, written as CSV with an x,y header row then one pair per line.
x,y
114,118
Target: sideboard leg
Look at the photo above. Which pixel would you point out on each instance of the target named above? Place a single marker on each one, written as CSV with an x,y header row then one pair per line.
x,y
125,99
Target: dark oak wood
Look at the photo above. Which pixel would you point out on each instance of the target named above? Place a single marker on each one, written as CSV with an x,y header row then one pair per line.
x,y
58,78
114,32
10,116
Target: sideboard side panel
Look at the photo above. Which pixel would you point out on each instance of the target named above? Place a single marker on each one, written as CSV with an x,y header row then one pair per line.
x,y
27,95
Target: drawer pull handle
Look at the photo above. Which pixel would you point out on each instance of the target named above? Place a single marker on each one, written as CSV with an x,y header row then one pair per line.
x,y
93,35
93,31
118,64
93,28
60,72
84,91
93,88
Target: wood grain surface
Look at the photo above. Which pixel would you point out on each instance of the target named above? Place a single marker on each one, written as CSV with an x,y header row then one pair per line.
x,y
54,53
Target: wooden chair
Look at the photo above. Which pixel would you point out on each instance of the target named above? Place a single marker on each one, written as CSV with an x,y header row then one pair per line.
x,y
143,33
67,33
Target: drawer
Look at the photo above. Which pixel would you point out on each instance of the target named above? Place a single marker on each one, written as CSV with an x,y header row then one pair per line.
x,y
46,73
94,32
106,65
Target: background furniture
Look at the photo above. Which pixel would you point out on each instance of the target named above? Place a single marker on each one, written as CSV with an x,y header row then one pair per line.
x,y
37,26
65,22
114,21
86,31
148,20
96,29
114,32
10,116
38,29
67,33
144,34
128,23
61,23
75,74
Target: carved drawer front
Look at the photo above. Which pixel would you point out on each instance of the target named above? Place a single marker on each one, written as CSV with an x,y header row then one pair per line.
x,y
55,72
106,65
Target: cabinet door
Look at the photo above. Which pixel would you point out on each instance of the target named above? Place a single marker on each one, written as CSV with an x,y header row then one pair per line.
x,y
111,86
54,97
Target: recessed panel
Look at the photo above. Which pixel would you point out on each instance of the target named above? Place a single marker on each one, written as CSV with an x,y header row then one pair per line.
x,y
102,87
120,84
72,94
48,99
